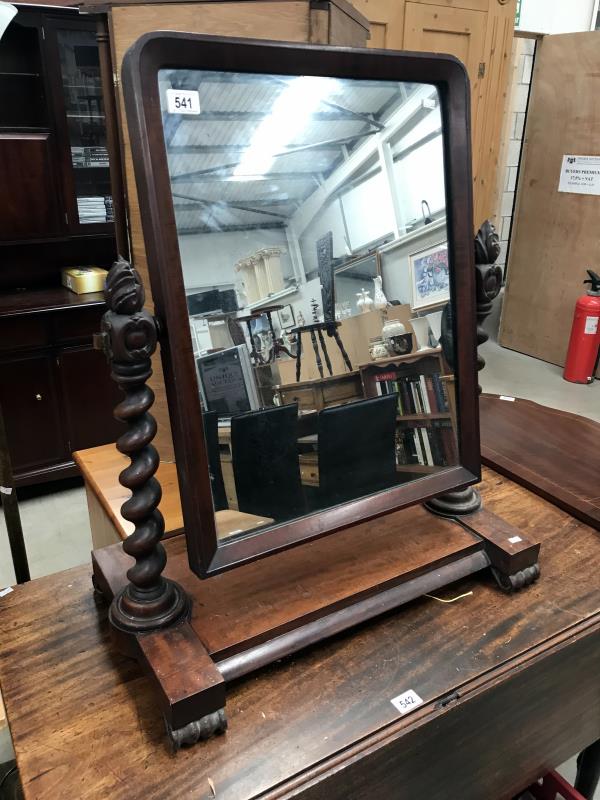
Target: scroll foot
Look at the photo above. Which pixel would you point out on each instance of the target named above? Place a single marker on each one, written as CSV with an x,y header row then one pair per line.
x,y
199,730
518,580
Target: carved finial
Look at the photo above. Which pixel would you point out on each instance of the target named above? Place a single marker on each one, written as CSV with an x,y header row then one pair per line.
x,y
487,244
149,601
124,292
488,279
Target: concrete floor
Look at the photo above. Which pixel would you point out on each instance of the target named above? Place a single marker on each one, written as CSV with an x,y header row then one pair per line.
x,y
56,525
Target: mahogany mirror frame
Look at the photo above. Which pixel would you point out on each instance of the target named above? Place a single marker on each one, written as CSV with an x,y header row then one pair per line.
x,y
171,50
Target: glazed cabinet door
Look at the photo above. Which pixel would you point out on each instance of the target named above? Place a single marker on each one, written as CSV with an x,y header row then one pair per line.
x,y
30,404
81,124
27,146
89,397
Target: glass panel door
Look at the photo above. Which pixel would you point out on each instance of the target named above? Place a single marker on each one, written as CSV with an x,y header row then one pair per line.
x,y
86,125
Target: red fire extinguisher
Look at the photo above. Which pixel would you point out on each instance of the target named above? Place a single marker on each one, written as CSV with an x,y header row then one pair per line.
x,y
584,344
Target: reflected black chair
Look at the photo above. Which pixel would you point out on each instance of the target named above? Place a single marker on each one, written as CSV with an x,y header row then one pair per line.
x,y
357,453
211,434
264,447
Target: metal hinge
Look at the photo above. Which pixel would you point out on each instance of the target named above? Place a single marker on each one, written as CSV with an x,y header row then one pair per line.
x,y
481,72
66,217
43,33
116,80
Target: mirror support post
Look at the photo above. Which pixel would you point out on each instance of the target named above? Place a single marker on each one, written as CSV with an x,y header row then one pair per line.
x,y
488,282
129,335
511,569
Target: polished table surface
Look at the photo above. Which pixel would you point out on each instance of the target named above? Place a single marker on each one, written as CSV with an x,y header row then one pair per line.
x,y
510,686
553,452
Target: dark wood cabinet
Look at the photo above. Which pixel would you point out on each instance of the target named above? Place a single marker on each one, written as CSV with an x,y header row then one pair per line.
x,y
29,207
88,398
30,403
56,392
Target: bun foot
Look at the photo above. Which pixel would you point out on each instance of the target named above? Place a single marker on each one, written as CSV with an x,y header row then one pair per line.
x,y
199,730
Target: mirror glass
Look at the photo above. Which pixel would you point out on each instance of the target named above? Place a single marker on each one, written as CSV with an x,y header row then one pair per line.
x,y
311,223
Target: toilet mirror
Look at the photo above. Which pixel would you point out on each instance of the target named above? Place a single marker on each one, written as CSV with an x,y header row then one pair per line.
x,y
307,219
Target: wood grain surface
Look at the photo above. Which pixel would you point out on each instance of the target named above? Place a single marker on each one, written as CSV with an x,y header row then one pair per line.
x,y
249,605
321,725
554,453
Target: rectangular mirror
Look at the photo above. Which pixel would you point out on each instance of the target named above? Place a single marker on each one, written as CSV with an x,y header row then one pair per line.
x,y
309,240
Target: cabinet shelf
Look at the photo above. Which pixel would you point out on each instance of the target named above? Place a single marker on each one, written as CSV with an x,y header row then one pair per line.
x,y
19,74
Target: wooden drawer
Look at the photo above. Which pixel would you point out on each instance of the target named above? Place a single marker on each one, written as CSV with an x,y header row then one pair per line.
x,y
346,387
322,393
305,396
70,327
22,333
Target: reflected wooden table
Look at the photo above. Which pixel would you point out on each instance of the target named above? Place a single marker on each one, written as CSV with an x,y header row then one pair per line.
x,y
100,467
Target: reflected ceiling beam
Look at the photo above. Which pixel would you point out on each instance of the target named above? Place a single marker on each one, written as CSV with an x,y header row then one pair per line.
x,y
201,176
408,150
400,96
258,116
230,228
368,118
224,204
399,123
216,149
197,202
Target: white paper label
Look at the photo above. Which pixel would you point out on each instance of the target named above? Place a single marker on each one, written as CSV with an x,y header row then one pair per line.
x,y
406,702
505,397
515,539
580,175
3,592
5,490
183,101
591,325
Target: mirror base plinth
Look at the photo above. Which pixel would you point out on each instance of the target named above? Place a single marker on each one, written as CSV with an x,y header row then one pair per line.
x,y
132,613
191,662
455,504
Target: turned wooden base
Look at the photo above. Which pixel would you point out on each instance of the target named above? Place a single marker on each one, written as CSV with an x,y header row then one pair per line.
x,y
246,618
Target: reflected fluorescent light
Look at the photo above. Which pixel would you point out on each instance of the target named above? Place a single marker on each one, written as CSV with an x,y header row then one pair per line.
x,y
7,12
288,117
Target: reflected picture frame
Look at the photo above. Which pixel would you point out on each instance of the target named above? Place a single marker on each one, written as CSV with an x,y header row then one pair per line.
x,y
286,318
173,50
429,277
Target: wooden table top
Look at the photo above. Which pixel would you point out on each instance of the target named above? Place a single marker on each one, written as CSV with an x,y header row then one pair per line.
x,y
100,467
508,683
554,453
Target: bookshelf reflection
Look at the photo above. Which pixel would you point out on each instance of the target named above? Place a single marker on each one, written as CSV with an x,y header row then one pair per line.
x,y
312,235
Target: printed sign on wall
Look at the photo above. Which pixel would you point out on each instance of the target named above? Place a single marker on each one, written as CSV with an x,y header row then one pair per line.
x,y
580,175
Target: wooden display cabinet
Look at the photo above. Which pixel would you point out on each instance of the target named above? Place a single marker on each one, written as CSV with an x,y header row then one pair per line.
x,y
57,205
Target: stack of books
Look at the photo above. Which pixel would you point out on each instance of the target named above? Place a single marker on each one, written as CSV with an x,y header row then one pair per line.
x,y
431,444
94,209
417,394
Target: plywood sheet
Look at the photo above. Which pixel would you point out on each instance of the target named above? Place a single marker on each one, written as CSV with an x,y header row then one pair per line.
x,y
555,234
